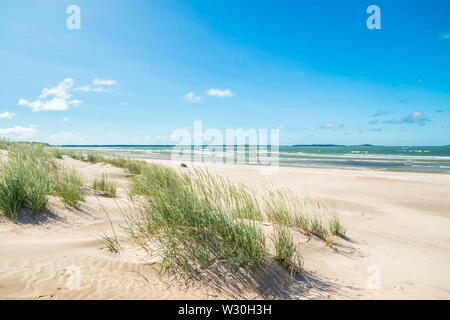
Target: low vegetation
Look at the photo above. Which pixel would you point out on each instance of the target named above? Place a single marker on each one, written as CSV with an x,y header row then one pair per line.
x,y
195,219
29,176
69,187
25,179
286,252
131,165
106,185
200,220
194,229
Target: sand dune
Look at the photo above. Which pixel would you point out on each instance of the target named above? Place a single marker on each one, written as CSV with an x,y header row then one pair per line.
x,y
398,231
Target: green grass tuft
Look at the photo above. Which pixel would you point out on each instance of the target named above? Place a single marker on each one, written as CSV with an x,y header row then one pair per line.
x,y
286,251
200,219
187,216
25,179
68,186
105,185
95,157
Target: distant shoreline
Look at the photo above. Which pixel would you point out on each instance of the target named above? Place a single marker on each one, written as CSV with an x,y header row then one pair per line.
x,y
381,158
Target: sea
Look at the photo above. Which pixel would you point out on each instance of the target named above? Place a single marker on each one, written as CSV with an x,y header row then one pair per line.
x,y
394,158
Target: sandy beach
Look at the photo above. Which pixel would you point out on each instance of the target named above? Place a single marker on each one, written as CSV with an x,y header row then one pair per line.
x,y
397,244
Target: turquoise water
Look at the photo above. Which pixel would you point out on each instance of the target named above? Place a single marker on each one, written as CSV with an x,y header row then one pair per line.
x,y
420,158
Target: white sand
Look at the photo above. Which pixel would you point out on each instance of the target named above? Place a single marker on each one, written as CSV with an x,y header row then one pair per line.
x,y
397,224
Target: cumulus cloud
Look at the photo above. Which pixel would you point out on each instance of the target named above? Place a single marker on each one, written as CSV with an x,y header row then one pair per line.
x,y
88,88
56,99
191,97
60,91
413,118
6,115
102,82
19,131
219,93
55,104
332,126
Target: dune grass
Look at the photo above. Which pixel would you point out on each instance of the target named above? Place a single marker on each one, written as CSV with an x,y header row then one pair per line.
x,y
25,179
197,220
68,186
95,157
56,152
286,252
200,219
184,214
336,227
131,165
106,185
5,144
30,175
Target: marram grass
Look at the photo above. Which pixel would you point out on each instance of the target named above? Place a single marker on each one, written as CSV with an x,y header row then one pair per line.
x,y
200,220
197,219
25,179
286,252
29,176
69,187
105,184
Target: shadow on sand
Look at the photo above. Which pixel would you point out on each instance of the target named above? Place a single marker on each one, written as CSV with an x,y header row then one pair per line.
x,y
272,282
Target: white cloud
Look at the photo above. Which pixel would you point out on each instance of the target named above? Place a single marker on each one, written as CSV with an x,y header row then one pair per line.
x,y
61,91
59,102
22,132
6,115
192,97
88,88
56,104
98,83
66,119
219,93
332,126
102,82
67,137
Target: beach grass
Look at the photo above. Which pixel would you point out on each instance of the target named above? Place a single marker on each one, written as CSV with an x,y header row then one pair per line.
x,y
286,252
111,243
25,179
131,165
30,175
5,144
94,157
184,214
69,187
105,184
335,226
195,219
56,152
200,219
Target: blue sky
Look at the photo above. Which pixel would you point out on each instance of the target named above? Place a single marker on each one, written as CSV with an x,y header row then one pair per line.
x,y
138,70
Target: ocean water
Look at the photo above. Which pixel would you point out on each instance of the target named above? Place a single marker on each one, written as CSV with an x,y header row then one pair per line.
x,y
401,158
